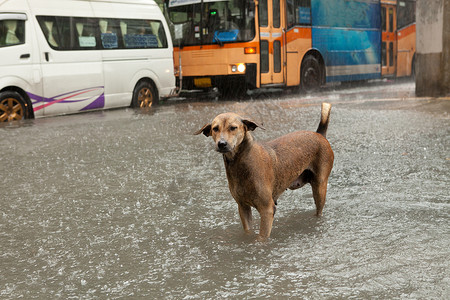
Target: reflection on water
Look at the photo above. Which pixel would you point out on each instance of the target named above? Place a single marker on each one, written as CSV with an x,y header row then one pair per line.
x,y
127,204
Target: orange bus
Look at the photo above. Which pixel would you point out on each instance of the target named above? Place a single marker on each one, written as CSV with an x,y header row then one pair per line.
x,y
398,46
235,45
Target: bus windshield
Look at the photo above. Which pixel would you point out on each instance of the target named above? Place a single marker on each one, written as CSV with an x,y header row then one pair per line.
x,y
197,22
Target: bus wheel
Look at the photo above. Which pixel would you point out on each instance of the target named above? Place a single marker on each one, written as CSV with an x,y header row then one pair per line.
x,y
413,68
144,95
311,74
12,107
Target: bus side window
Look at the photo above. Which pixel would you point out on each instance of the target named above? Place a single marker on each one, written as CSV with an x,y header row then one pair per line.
x,y
406,13
391,20
290,14
276,13
383,19
391,54
12,32
263,13
299,12
304,12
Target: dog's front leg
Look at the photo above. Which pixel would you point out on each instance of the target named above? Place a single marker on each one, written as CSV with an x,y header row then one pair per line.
x,y
245,212
267,214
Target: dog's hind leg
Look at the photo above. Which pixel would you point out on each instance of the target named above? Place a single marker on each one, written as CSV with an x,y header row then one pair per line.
x,y
245,212
319,189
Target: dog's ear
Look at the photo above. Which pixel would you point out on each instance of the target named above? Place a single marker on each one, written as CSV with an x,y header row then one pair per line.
x,y
206,130
251,125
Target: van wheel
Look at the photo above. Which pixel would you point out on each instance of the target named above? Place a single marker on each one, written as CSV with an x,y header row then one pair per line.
x,y
144,95
12,107
311,74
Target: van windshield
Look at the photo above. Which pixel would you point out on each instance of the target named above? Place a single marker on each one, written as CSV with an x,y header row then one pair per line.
x,y
211,22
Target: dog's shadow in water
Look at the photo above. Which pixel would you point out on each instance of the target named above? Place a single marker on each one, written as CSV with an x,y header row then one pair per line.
x,y
292,224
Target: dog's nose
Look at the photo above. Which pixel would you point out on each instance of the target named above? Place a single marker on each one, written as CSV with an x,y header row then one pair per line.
x,y
222,145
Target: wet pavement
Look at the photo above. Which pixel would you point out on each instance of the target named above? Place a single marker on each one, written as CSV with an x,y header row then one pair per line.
x,y
129,204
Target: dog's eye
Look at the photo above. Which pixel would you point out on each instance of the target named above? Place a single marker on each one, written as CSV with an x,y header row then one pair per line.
x,y
215,129
233,128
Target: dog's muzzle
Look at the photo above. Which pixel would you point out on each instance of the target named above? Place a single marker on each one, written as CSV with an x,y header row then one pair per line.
x,y
223,146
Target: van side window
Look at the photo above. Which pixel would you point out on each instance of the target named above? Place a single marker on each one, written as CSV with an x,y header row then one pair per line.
x,y
85,33
57,31
12,32
138,34
74,33
109,33
50,30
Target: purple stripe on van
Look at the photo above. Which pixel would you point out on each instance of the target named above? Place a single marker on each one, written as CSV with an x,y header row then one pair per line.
x,y
97,103
94,96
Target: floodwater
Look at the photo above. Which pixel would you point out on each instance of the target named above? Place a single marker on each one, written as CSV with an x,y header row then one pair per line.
x,y
129,204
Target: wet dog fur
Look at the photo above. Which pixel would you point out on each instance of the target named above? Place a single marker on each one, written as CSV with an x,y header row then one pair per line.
x,y
258,173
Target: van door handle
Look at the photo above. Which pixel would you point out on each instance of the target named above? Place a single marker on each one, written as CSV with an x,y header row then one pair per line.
x,y
23,56
46,56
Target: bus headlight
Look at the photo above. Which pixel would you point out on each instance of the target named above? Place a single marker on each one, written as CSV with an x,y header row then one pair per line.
x,y
238,68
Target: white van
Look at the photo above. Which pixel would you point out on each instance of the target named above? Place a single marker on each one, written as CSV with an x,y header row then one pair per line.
x,y
67,56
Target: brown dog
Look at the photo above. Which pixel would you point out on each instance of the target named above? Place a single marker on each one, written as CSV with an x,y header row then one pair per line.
x,y
258,173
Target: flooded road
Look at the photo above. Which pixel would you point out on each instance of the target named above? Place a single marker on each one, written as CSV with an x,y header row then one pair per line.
x,y
129,204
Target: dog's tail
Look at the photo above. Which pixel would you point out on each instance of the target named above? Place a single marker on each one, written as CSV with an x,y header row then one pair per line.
x,y
324,119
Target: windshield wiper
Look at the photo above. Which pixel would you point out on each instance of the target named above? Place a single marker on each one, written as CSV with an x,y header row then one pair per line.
x,y
218,40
